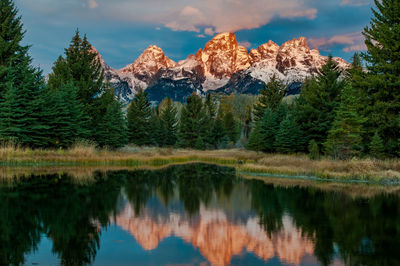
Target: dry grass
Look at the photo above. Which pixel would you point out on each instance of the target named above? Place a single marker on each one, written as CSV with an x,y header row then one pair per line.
x,y
243,160
353,190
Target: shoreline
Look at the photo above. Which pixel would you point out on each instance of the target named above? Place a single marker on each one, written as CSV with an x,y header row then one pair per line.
x,y
243,160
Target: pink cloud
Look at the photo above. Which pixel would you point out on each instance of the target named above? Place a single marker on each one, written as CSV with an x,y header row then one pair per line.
x,y
354,42
245,44
355,2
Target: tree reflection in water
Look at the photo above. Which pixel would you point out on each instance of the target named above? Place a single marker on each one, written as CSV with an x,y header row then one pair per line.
x,y
205,205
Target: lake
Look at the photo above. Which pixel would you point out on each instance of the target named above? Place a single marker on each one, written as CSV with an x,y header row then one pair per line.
x,y
193,214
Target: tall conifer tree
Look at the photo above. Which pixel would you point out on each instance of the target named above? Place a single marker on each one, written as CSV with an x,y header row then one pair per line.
x,y
193,123
382,39
21,85
139,115
169,122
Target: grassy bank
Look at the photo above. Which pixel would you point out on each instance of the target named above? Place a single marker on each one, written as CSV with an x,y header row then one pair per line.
x,y
242,160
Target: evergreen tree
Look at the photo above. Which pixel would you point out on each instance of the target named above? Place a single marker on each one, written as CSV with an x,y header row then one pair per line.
x,y
268,129
382,39
319,98
21,85
376,147
270,97
85,69
288,136
60,75
157,130
256,141
82,68
66,120
169,122
193,123
231,127
11,35
139,115
211,112
344,138
111,127
218,134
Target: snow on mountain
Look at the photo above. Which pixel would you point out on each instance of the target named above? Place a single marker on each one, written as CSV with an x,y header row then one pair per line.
x,y
148,64
222,66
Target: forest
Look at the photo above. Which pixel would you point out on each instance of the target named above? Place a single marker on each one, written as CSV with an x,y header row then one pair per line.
x,y
340,113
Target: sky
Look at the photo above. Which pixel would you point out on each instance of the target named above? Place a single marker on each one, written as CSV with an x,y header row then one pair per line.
x,y
122,29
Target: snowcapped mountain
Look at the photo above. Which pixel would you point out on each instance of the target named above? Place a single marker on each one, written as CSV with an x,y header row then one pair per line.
x,y
222,66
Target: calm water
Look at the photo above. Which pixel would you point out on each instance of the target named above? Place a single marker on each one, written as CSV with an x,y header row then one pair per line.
x,y
191,215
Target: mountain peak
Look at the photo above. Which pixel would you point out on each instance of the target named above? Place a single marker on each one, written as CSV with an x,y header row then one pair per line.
x,y
148,63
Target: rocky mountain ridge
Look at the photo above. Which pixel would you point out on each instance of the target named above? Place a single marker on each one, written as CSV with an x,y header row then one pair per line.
x,y
222,66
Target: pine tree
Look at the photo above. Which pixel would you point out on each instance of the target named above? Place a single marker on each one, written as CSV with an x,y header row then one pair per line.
x,y
11,35
319,98
382,39
270,97
288,136
231,127
66,119
269,126
344,138
376,147
256,141
60,75
81,67
193,123
21,85
169,122
85,69
211,112
111,127
157,130
139,115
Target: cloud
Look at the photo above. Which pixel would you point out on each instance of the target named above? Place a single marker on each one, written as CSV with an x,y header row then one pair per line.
x,y
209,31
355,2
233,15
200,36
355,48
207,16
245,44
353,41
93,4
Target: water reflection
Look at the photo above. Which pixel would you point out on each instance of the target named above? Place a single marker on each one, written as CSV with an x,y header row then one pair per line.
x,y
223,217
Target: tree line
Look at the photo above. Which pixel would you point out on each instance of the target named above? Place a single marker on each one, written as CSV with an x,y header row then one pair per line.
x,y
341,113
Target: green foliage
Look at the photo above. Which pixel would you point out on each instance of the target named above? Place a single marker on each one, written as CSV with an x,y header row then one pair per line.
x,y
21,85
382,82
111,126
231,127
268,130
289,137
270,97
66,119
256,138
11,35
193,123
313,150
139,115
344,138
376,147
318,100
169,123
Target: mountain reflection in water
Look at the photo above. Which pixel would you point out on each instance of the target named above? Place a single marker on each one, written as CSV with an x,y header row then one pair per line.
x,y
219,217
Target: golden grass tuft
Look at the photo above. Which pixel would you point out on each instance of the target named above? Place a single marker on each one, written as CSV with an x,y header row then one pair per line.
x,y
84,153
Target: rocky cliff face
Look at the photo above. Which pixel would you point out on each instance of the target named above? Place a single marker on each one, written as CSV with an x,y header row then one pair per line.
x,y
222,66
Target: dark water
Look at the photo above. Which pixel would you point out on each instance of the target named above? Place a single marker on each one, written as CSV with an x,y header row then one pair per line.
x,y
191,215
